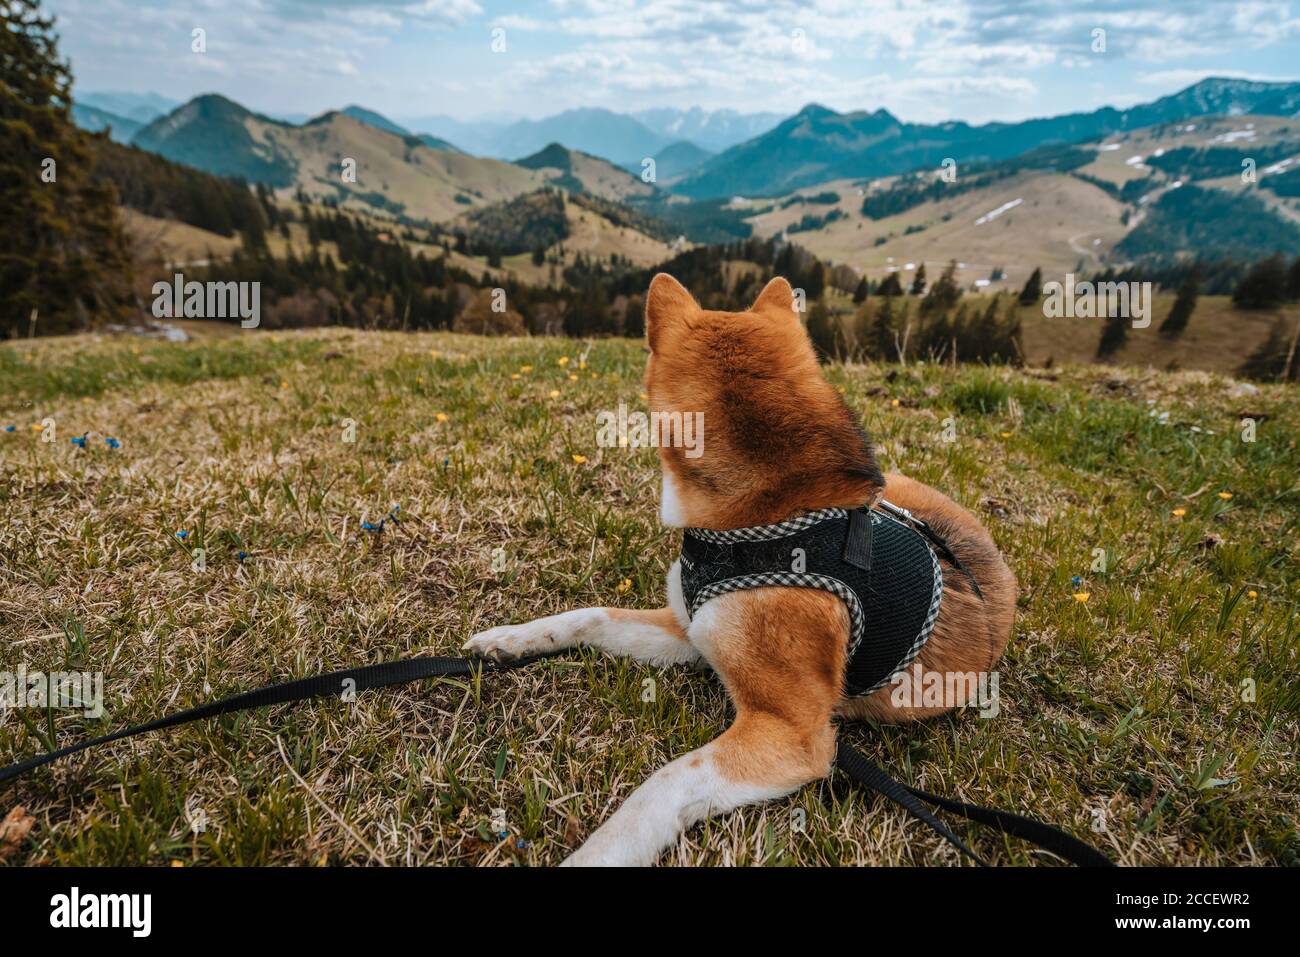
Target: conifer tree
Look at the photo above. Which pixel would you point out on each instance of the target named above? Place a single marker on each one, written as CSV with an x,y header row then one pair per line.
x,y
1184,305
62,252
1033,290
918,283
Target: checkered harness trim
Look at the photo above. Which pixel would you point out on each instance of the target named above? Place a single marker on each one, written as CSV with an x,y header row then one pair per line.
x,y
857,624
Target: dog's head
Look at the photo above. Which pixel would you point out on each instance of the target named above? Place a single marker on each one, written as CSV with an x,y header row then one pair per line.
x,y
776,437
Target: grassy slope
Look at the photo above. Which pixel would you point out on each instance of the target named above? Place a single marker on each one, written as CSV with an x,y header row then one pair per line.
x,y
426,181
1062,222
1129,703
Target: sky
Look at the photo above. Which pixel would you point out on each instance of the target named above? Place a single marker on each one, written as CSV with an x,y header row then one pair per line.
x,y
923,60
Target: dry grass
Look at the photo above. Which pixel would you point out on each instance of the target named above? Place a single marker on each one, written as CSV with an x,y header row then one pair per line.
x,y
1128,705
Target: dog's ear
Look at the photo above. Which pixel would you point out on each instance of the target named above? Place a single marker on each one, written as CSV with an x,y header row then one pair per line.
x,y
777,296
668,309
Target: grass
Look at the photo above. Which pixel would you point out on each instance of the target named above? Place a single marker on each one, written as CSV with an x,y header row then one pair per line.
x,y
1125,709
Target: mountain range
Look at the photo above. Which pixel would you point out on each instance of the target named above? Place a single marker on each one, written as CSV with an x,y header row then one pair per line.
x,y
818,144
823,176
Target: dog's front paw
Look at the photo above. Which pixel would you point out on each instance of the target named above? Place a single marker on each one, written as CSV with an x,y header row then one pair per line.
x,y
508,642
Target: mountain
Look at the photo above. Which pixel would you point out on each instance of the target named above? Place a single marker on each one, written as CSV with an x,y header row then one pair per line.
x,y
597,132
396,175
374,119
715,130
580,172
219,136
818,144
94,119
477,136
437,144
676,160
1156,194
140,107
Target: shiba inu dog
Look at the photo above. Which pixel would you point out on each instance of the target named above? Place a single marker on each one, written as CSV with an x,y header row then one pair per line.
x,y
782,455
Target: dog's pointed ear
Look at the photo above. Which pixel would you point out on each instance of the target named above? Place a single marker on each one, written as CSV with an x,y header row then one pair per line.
x,y
668,308
777,296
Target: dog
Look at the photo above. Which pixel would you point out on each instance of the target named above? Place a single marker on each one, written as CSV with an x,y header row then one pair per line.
x,y
780,443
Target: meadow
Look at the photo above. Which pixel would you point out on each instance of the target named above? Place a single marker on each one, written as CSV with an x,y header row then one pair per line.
x,y
1148,699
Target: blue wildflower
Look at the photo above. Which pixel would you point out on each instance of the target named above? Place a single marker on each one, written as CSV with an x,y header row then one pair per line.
x,y
11,428
1076,581
112,443
79,440
183,534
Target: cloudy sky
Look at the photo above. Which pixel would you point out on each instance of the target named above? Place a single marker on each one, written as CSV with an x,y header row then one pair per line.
x,y
930,60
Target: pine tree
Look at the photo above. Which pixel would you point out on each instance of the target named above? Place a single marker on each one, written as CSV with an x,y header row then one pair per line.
x,y
918,283
1293,281
1184,304
63,254
943,294
890,286
1033,290
864,289
822,332
1113,335
1275,359
882,331
1264,286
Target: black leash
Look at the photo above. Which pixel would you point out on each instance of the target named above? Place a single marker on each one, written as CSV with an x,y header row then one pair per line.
x,y
867,773
385,674
334,684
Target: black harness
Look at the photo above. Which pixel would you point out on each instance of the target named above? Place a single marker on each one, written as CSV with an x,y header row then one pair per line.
x,y
879,560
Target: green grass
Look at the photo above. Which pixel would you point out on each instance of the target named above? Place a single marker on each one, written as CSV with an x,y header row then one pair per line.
x,y
1126,708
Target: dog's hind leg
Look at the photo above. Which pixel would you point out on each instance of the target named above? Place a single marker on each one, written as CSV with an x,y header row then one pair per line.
x,y
781,654
760,757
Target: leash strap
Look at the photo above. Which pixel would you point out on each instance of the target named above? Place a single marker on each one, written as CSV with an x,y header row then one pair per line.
x,y
334,684
864,771
388,673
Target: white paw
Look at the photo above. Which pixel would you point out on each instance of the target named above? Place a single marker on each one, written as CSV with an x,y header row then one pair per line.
x,y
590,856
508,642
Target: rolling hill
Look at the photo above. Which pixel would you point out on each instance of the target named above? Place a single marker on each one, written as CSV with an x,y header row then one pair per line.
x,y
582,173
818,145
676,160
401,176
1157,192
